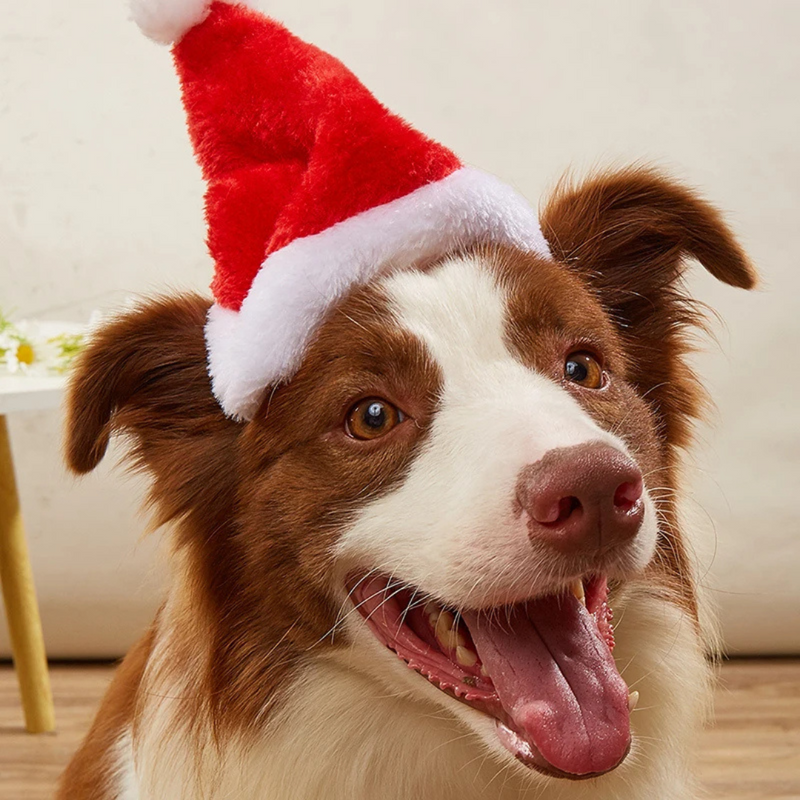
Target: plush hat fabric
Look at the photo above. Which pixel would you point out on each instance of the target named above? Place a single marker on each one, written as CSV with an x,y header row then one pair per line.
x,y
314,187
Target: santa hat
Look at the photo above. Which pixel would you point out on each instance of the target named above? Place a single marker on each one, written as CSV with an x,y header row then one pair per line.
x,y
314,187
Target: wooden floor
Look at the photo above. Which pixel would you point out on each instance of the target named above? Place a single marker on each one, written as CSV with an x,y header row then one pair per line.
x,y
752,753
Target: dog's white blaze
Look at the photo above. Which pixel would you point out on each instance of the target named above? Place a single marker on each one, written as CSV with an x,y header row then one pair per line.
x,y
451,528
458,311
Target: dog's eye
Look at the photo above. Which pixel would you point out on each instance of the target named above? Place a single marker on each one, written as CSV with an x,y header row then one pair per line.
x,y
584,369
372,417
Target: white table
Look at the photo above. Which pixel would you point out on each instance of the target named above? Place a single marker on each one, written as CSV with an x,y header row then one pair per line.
x,y
22,393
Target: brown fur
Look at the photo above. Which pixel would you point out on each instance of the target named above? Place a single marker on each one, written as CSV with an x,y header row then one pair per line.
x,y
256,507
254,551
629,235
90,774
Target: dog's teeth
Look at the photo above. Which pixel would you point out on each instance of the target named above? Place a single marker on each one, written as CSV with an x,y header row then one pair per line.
x,y
578,591
447,632
432,611
484,671
466,657
633,699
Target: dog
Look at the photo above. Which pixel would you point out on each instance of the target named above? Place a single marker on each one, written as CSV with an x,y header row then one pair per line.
x,y
447,559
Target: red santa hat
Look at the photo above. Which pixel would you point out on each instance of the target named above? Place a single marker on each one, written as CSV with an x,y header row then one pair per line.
x,y
314,187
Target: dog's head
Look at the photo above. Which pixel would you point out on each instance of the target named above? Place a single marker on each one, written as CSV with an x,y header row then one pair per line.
x,y
472,454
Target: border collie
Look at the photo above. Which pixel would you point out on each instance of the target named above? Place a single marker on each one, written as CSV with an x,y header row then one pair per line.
x,y
446,560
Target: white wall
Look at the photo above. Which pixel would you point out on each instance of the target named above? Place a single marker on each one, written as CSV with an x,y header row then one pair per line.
x,y
99,198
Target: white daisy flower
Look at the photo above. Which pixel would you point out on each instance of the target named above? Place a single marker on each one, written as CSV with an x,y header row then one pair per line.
x,y
38,348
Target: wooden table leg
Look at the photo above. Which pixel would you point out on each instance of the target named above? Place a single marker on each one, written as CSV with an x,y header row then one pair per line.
x,y
19,595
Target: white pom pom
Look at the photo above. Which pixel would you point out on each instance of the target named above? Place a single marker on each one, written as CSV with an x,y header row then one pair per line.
x,y
166,21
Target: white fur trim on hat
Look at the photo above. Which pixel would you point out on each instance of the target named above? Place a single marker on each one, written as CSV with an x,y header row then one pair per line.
x,y
263,343
166,21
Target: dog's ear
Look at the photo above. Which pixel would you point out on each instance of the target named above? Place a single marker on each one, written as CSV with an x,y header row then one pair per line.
x,y
630,235
145,375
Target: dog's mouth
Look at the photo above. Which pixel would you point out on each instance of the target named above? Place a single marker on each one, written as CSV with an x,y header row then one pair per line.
x,y
543,669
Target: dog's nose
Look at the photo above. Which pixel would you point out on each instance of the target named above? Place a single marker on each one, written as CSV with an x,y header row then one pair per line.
x,y
583,499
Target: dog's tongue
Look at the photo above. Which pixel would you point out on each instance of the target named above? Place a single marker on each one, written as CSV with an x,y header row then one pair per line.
x,y
558,683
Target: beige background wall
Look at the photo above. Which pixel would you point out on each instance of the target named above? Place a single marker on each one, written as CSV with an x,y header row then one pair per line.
x,y
99,198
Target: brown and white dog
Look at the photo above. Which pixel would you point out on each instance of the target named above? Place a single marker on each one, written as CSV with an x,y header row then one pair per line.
x,y
396,581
